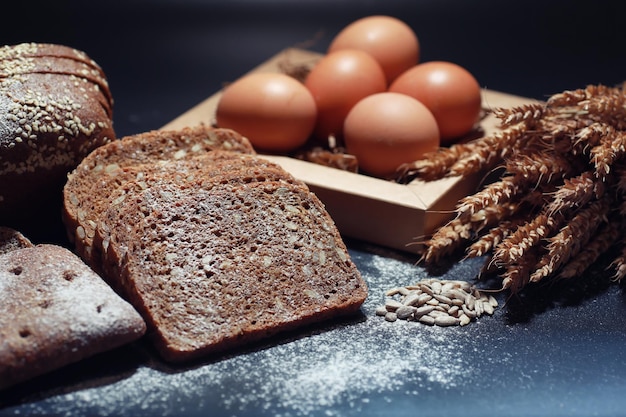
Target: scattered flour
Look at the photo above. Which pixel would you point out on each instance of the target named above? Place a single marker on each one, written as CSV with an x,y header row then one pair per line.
x,y
346,367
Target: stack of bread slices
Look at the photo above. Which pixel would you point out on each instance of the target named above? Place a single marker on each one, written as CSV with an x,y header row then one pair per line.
x,y
213,245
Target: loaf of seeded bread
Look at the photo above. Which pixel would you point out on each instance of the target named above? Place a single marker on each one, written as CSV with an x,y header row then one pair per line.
x,y
55,108
213,265
54,310
88,187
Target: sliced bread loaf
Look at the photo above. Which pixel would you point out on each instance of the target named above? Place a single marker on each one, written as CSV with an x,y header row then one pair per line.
x,y
212,265
55,108
54,310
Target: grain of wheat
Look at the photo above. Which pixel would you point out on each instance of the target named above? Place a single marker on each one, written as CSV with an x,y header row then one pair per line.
x,y
601,243
519,114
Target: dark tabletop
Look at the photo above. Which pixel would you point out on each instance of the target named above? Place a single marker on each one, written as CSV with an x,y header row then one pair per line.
x,y
557,350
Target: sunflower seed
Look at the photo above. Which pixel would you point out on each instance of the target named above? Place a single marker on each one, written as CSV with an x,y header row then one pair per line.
x,y
447,287
392,305
442,299
423,299
381,311
392,292
404,291
442,307
438,313
419,312
426,289
470,300
391,316
468,312
446,321
493,301
464,320
478,308
432,302
457,294
404,312
457,302
487,308
411,299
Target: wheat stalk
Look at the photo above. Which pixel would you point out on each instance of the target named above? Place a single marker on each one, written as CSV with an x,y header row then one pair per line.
x,y
564,162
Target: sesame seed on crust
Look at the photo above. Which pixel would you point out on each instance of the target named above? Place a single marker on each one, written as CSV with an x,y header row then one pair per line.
x,y
55,108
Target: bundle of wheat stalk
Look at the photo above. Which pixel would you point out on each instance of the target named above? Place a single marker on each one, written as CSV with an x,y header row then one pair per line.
x,y
560,199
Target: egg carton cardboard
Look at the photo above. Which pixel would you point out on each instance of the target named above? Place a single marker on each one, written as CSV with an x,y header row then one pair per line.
x,y
398,216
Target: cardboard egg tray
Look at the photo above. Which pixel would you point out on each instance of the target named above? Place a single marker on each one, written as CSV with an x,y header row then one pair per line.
x,y
382,212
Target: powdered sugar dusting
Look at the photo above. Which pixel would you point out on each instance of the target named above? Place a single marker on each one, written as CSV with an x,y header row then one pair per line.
x,y
325,372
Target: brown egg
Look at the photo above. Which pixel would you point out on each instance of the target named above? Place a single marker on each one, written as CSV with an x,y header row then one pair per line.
x,y
274,111
449,91
385,130
389,40
337,82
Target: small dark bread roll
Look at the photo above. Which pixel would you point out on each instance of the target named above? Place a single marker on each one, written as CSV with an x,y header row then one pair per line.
x,y
55,108
54,311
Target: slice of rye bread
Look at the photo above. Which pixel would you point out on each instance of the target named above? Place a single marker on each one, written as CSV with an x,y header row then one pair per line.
x,y
97,197
54,310
145,148
214,267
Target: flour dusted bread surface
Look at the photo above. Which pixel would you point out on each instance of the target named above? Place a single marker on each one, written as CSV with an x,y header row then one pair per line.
x,y
89,185
214,265
55,108
54,311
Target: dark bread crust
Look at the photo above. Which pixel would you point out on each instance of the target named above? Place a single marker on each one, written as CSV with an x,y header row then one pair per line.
x,y
212,266
55,108
54,310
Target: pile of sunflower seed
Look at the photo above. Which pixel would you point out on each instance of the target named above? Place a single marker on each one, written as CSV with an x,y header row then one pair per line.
x,y
437,302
